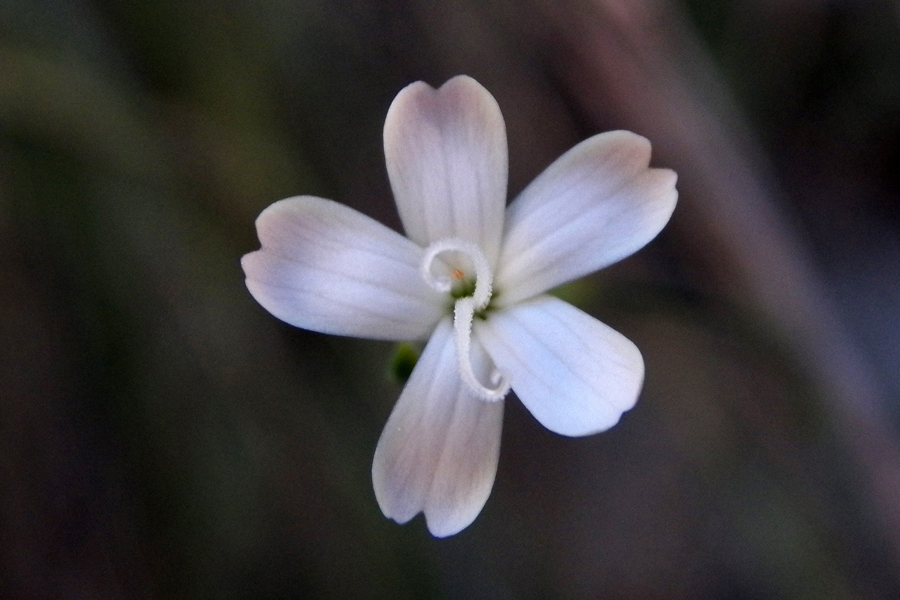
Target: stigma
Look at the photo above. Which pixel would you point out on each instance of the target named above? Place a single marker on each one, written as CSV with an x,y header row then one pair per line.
x,y
466,262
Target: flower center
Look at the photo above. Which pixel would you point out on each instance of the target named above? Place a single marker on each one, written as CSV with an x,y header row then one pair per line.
x,y
468,279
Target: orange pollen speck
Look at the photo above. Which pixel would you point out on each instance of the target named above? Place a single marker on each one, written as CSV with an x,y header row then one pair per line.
x,y
457,274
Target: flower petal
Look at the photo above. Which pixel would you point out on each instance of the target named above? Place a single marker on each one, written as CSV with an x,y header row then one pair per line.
x,y
575,374
598,203
326,267
447,161
438,452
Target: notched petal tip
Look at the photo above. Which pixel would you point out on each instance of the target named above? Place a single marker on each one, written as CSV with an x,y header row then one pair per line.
x,y
667,179
454,90
441,525
422,87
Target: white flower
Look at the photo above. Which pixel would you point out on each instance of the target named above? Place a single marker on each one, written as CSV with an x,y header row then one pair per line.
x,y
470,277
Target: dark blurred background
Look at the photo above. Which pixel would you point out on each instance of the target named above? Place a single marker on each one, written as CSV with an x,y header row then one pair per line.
x,y
162,436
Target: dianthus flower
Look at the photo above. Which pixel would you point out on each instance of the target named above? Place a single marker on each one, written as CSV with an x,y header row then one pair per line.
x,y
470,277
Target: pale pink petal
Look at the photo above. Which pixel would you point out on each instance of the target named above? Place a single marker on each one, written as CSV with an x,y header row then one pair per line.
x,y
575,374
438,452
595,205
326,267
447,161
